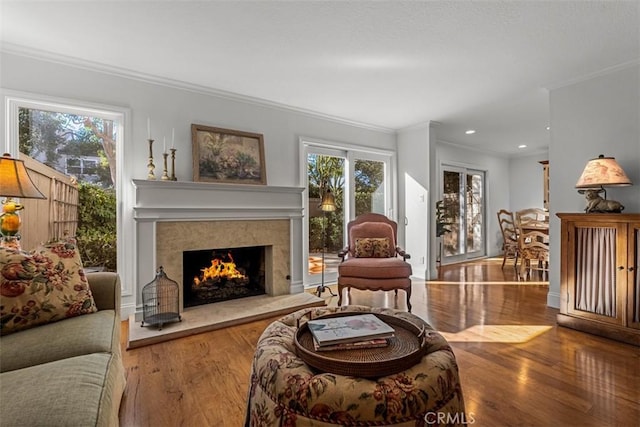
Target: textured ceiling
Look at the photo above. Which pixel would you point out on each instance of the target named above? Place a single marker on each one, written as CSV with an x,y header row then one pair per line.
x,y
391,64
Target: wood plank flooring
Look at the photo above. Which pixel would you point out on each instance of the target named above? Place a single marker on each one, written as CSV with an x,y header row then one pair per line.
x,y
517,367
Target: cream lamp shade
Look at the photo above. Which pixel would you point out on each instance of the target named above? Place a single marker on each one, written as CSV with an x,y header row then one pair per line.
x,y
328,203
15,180
603,171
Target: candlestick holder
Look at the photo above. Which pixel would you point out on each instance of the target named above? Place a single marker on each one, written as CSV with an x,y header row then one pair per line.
x,y
173,164
165,176
150,166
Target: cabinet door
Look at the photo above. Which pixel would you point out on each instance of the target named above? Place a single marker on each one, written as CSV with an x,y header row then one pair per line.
x,y
598,274
633,284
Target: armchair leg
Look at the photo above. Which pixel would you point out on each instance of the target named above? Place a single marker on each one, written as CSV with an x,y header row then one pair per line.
x,y
408,291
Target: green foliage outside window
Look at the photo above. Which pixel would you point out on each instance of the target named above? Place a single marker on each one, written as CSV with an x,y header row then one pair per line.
x,y
97,226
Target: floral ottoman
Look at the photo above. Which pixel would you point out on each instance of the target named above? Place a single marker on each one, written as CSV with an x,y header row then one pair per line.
x,y
285,391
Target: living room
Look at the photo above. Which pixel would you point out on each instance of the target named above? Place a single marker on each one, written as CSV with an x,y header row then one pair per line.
x,y
591,112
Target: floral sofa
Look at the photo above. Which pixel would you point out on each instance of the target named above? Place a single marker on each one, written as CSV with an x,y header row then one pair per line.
x,y
60,357
284,391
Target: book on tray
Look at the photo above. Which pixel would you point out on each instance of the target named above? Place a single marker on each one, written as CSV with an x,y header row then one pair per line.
x,y
342,330
374,343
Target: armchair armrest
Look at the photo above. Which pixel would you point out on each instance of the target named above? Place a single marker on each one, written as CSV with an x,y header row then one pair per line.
x,y
343,252
405,256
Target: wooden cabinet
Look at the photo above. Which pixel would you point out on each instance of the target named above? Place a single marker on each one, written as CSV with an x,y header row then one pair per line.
x,y
599,274
545,184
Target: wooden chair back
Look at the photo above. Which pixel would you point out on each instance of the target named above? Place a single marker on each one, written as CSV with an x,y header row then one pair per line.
x,y
509,236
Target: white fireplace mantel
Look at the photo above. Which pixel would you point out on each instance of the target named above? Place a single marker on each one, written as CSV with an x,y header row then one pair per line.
x,y
157,201
175,200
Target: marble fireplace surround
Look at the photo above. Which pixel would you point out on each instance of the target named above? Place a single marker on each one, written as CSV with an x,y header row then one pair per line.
x,y
173,216
174,237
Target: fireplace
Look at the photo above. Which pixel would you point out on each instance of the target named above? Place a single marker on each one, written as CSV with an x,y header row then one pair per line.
x,y
174,217
215,275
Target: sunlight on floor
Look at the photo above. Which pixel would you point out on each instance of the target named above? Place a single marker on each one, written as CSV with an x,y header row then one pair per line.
x,y
497,333
519,283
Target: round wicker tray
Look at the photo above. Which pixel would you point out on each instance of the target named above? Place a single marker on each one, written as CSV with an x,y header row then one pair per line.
x,y
405,349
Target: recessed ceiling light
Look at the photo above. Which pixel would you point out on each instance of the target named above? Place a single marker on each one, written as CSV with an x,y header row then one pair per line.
x,y
470,132
548,127
522,146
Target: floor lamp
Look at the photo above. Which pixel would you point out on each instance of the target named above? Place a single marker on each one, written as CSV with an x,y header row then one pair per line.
x,y
328,204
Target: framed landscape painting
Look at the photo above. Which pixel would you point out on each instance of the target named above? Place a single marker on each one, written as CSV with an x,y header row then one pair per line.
x,y
227,156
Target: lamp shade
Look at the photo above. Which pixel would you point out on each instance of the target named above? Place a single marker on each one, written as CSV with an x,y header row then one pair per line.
x,y
328,203
15,180
603,171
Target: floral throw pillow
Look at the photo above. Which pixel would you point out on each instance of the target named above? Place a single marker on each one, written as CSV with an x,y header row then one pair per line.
x,y
373,247
42,286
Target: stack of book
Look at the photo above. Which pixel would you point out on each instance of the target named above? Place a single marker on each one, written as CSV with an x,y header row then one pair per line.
x,y
349,332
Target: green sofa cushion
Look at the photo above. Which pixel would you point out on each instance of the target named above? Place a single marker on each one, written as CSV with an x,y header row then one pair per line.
x,y
80,391
97,332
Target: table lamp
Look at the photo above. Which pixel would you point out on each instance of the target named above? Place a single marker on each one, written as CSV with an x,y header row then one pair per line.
x,y
14,182
599,173
328,204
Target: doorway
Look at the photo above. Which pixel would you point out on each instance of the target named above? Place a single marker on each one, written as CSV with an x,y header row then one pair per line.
x,y
462,193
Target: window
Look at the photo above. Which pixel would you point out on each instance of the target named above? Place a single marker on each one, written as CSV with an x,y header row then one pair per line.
x,y
80,141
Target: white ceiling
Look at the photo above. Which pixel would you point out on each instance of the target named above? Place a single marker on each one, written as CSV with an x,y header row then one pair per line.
x,y
390,64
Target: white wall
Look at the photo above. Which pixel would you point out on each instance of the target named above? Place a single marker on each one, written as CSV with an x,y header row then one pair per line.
x,y
170,105
526,186
413,184
600,115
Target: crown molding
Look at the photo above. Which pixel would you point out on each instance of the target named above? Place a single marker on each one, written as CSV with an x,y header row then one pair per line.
x,y
589,76
28,52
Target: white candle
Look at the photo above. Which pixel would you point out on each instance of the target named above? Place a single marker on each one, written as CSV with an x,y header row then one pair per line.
x,y
173,137
164,140
148,128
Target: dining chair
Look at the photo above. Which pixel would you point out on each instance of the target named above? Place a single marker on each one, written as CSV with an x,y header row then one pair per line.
x,y
533,217
509,237
532,226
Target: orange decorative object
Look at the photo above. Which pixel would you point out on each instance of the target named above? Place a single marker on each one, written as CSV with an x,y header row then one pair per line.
x,y
10,220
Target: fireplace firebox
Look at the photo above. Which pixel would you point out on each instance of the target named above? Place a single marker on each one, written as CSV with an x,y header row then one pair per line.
x,y
215,275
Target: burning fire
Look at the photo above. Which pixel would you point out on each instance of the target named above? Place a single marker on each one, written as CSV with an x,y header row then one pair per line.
x,y
219,269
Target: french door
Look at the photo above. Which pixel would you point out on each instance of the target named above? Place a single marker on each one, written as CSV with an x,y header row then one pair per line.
x,y
463,195
360,182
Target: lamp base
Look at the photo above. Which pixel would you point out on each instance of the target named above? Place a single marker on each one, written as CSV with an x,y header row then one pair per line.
x,y
10,242
320,289
598,204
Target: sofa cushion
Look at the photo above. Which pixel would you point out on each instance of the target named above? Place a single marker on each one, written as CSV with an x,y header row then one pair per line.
x,y
45,285
374,268
78,391
373,247
98,332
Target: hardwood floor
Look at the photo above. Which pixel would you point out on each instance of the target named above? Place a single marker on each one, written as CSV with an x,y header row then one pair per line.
x,y
517,367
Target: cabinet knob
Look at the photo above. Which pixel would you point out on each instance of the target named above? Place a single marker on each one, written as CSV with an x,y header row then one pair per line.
x,y
621,267
630,268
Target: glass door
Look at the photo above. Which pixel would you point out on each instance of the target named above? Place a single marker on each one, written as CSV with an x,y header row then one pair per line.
x,y
360,182
325,172
463,196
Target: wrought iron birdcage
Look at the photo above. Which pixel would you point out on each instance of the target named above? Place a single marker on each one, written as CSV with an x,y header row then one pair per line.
x,y
160,301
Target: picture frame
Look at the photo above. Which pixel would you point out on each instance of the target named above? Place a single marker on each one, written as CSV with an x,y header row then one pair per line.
x,y
227,156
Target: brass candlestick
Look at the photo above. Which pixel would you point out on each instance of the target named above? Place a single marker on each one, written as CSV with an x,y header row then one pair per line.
x,y
165,177
173,164
150,166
